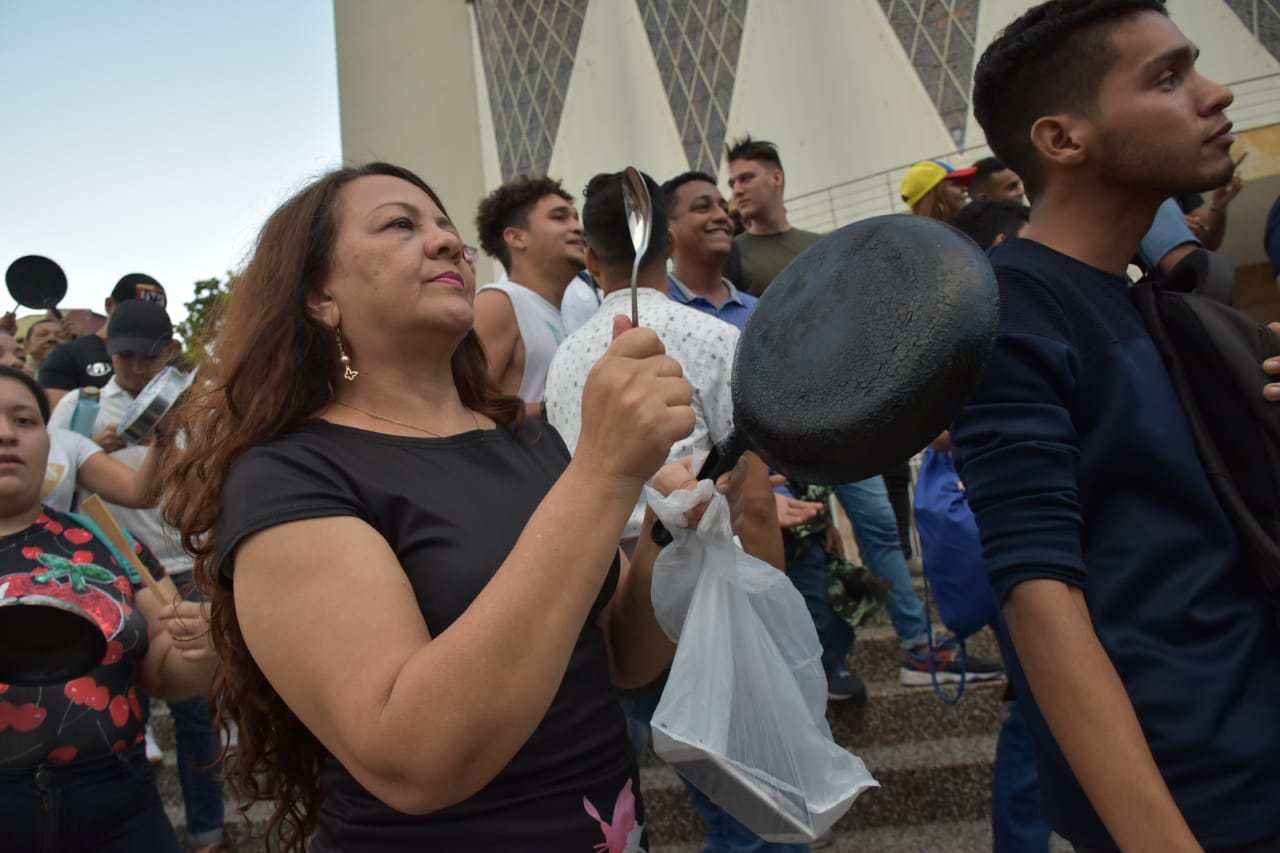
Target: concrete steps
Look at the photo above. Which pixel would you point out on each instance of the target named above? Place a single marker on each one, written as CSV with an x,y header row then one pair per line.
x,y
947,837
944,779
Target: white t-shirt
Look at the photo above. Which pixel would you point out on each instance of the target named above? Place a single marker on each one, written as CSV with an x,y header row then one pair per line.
x,y
145,524
67,452
541,331
580,303
704,346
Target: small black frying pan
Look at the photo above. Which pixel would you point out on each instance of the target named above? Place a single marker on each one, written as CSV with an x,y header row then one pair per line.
x,y
34,281
861,351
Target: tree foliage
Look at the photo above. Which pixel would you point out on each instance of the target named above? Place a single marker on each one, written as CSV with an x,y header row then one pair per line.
x,y
197,331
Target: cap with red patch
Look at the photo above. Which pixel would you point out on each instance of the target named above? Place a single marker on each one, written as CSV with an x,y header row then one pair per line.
x,y
927,174
139,285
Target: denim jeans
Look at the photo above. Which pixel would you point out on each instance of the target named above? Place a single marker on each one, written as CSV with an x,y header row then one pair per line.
x,y
726,835
809,573
897,484
1017,825
867,504
108,804
638,708
199,770
198,746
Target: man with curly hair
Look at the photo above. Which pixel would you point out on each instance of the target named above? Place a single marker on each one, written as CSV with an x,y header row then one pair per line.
x,y
1135,628
531,227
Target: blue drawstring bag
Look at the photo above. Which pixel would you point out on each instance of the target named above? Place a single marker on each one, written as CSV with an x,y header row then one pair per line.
x,y
954,567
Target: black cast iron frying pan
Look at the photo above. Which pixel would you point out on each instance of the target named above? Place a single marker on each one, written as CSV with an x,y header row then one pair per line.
x,y
35,281
861,351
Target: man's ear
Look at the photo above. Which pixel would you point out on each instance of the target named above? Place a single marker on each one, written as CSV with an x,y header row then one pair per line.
x,y
1000,238
593,263
1063,140
671,243
110,305
172,350
517,239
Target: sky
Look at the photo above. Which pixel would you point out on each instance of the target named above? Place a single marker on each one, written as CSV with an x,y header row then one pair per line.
x,y
156,137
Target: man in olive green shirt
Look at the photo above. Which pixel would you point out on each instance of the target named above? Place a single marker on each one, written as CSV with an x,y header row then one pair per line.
x,y
769,243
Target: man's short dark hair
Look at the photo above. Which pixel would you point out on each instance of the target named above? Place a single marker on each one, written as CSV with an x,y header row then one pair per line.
x,y
604,222
509,205
984,220
1052,59
760,150
669,188
986,167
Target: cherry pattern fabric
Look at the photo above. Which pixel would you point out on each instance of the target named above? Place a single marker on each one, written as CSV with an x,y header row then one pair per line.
x,y
98,713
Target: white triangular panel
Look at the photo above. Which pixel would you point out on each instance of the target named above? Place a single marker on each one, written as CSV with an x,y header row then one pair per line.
x,y
616,111
834,89
1228,49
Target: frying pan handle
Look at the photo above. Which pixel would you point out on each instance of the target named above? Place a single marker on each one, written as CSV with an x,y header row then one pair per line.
x,y
720,459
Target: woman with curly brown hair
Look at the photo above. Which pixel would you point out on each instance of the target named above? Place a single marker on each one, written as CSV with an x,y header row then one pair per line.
x,y
416,595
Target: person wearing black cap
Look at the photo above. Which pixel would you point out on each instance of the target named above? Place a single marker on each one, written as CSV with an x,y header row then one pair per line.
x,y
84,361
139,342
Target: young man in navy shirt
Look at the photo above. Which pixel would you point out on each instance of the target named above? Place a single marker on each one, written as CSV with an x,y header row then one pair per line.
x,y
1140,630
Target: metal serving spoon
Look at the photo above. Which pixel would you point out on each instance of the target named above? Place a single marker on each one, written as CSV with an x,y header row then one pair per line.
x,y
635,197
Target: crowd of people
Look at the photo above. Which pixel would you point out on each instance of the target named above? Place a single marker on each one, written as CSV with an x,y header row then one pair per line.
x,y
399,531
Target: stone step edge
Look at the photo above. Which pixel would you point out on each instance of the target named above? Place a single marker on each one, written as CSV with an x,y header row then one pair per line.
x,y
894,688
961,836
900,758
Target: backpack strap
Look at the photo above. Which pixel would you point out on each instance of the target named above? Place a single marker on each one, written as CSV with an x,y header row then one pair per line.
x,y
1148,295
85,413
88,523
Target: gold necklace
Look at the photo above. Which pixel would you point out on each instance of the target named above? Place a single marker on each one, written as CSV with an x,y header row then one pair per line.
x,y
475,419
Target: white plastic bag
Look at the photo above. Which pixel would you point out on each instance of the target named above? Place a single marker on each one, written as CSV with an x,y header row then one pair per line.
x,y
743,714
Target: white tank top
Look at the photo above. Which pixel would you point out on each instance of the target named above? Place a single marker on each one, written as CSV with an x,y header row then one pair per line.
x,y
541,331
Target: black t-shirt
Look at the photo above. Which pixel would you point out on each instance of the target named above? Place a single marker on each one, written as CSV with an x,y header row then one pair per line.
x,y
79,363
452,510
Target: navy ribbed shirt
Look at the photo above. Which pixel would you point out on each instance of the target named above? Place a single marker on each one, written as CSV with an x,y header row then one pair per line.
x,y
1080,467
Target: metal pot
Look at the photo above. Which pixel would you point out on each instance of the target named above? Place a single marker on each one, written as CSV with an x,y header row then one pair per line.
x,y
153,403
861,351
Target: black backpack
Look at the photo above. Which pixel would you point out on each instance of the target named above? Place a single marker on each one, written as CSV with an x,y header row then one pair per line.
x,y
1214,354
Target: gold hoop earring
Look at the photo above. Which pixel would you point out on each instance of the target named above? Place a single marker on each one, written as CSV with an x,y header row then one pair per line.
x,y
348,372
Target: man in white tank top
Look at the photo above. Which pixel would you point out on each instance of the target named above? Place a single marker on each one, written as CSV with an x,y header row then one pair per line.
x,y
531,227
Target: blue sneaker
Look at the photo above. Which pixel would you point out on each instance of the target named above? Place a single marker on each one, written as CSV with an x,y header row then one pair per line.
x,y
917,669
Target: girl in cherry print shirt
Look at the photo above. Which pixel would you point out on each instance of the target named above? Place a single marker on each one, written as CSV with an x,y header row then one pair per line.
x,y
73,776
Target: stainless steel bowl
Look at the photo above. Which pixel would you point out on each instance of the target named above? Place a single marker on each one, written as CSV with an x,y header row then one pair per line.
x,y
153,403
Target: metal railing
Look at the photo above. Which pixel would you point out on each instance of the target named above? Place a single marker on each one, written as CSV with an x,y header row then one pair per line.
x,y
1257,104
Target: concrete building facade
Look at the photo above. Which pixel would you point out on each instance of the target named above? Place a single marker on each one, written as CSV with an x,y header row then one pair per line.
x,y
471,92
